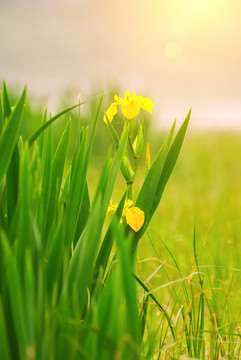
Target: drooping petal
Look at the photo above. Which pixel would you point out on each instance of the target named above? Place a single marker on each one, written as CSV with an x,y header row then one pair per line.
x,y
145,103
135,218
128,204
110,113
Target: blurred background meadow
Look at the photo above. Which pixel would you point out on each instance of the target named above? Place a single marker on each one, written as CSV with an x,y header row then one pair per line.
x,y
181,54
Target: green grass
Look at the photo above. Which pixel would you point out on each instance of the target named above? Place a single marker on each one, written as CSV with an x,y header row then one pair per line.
x,y
204,192
77,284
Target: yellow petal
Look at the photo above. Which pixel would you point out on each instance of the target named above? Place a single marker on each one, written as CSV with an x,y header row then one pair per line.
x,y
130,105
127,95
112,207
110,113
135,218
145,103
118,98
128,204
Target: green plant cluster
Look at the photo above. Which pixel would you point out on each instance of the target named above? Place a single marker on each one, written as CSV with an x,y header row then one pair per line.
x,y
67,289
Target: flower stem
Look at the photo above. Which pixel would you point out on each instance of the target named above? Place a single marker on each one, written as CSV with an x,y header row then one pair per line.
x,y
129,191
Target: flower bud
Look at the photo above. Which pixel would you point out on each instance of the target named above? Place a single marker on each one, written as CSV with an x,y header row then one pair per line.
x,y
148,159
126,169
139,140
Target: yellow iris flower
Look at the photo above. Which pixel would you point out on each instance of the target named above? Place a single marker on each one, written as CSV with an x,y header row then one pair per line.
x,y
135,217
130,105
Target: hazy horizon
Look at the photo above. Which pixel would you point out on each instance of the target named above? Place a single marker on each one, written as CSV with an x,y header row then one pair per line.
x,y
181,53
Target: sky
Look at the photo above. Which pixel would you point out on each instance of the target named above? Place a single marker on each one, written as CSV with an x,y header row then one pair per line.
x,y
180,53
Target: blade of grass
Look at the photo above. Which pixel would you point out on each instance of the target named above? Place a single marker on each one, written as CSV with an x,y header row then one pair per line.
x,y
76,191
114,171
157,177
55,250
14,289
81,266
1,114
57,169
200,328
158,305
104,176
50,121
123,254
170,162
10,135
23,228
143,315
5,102
83,215
4,348
12,180
106,246
46,181
41,139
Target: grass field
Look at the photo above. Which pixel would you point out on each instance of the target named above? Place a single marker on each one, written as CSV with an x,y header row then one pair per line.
x,y
204,193
80,282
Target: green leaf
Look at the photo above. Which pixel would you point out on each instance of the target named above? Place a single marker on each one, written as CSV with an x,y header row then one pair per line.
x,y
14,289
158,305
114,134
107,244
149,188
113,173
55,250
6,102
41,139
50,121
110,319
94,125
76,191
158,175
23,218
143,315
170,162
104,176
85,201
10,135
46,181
81,266
65,191
128,283
1,114
12,180
29,294
60,155
57,169
4,348
83,215
200,326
